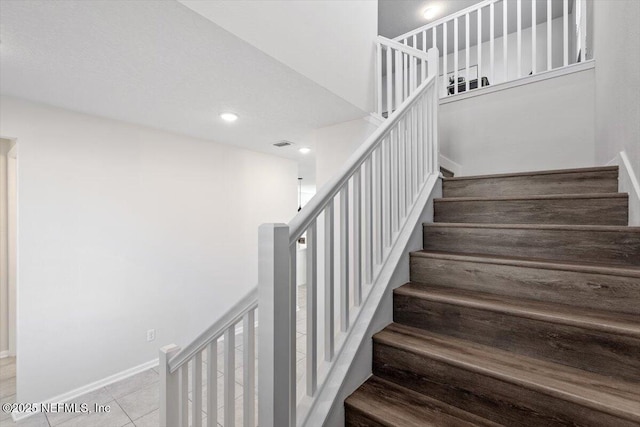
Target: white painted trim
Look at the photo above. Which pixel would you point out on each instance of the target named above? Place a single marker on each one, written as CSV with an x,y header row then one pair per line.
x,y
70,395
628,183
374,119
314,411
450,165
4,354
541,76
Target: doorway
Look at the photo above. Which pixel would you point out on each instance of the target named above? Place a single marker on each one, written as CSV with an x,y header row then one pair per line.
x,y
8,253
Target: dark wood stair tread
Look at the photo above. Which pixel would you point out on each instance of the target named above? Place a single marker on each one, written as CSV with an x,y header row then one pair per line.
x,y
611,244
614,323
534,197
535,173
618,398
390,404
593,228
593,268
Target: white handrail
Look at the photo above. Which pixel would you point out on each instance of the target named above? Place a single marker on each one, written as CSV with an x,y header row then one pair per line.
x,y
403,48
447,18
230,318
316,205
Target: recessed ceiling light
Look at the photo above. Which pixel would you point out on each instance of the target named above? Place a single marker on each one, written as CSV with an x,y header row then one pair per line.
x,y
304,150
429,13
229,117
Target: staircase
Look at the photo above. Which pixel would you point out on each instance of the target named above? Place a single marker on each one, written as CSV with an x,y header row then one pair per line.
x,y
522,310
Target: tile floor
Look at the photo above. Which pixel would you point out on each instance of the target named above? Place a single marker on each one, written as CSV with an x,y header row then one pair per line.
x,y
134,400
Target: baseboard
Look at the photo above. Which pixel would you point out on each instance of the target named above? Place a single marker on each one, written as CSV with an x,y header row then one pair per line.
x,y
450,165
70,395
4,354
628,183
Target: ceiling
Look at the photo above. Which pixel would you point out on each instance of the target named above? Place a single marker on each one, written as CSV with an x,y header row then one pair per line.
x,y
397,17
159,64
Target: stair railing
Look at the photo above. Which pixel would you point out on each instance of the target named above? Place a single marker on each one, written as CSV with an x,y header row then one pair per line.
x,y
182,371
400,71
492,61
349,227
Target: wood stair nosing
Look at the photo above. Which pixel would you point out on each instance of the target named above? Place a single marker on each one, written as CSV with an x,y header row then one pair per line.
x,y
612,245
491,383
384,403
594,341
571,209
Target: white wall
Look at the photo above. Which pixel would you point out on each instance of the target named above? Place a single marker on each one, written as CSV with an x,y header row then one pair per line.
x,y
123,228
537,126
330,42
334,145
616,39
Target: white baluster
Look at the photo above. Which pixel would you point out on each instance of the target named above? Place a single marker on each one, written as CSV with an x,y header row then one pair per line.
x,y
419,142
386,161
414,151
357,226
400,172
479,47
169,388
445,53
379,77
534,35
492,58
368,223
212,384
344,258
276,299
389,54
405,74
248,368
184,395
432,55
414,74
398,85
379,194
505,34
394,180
229,376
424,62
565,21
196,392
519,37
549,34
312,310
434,42
467,49
455,55
328,283
427,132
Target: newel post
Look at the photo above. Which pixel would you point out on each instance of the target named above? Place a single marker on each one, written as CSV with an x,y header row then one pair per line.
x,y
169,388
276,336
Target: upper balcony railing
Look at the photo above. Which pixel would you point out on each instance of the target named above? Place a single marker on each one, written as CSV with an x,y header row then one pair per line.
x,y
489,43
